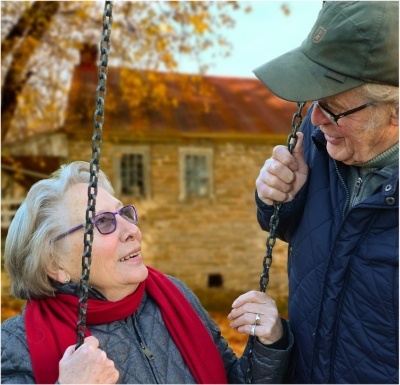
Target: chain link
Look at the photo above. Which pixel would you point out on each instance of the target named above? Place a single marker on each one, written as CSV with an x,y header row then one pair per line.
x,y
94,172
271,240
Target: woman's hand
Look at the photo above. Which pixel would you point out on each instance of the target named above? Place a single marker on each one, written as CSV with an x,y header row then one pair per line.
x,y
87,365
243,316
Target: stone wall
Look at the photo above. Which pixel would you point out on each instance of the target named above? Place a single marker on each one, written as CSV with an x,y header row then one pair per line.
x,y
196,237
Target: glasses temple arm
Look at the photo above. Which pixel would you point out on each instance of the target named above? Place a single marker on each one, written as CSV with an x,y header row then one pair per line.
x,y
70,231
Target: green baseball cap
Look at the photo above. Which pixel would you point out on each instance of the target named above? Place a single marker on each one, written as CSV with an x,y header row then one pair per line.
x,y
351,43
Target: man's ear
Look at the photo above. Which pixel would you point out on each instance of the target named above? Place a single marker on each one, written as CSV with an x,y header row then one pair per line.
x,y
394,121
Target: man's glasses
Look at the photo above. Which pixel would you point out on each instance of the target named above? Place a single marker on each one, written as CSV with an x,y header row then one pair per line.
x,y
334,118
106,222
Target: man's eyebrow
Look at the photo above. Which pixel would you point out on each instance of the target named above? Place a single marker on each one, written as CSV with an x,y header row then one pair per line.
x,y
332,103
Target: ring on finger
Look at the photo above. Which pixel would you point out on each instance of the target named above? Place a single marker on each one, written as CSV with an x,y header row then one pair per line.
x,y
258,318
253,328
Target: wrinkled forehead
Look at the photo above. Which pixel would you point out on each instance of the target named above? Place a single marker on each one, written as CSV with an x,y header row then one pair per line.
x,y
76,201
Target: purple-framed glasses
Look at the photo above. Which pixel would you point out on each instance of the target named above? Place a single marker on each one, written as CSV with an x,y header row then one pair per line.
x,y
106,222
334,118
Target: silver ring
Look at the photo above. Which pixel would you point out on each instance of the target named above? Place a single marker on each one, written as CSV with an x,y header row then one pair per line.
x,y
253,328
257,321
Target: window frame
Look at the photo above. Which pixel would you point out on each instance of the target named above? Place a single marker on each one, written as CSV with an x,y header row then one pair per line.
x,y
209,156
121,150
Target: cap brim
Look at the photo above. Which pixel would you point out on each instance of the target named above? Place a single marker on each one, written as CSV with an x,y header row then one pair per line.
x,y
296,78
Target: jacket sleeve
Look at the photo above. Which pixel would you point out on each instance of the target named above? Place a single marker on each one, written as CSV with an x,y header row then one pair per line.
x,y
290,213
269,365
16,367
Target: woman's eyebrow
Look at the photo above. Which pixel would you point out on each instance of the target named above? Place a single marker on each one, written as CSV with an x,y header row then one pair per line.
x,y
117,206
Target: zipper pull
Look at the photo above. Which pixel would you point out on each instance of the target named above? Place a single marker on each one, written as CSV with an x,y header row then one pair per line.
x,y
358,185
357,189
147,351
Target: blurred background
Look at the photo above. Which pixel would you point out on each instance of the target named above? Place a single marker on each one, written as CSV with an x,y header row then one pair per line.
x,y
187,126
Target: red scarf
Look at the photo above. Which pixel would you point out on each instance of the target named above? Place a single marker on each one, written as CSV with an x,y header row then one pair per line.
x,y
51,328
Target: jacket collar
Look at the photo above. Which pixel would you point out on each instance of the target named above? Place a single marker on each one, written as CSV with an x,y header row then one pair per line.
x,y
318,138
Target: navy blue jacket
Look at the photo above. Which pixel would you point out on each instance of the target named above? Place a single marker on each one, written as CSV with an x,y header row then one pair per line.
x,y
343,274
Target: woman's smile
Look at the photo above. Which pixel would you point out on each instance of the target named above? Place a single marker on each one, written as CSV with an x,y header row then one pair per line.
x,y
133,257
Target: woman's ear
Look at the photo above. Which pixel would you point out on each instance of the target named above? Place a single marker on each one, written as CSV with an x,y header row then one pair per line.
x,y
58,274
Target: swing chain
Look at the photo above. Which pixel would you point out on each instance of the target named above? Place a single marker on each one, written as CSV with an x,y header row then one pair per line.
x,y
271,240
94,171
296,125
274,220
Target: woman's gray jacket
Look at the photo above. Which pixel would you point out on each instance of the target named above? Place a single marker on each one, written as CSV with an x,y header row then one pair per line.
x,y
143,350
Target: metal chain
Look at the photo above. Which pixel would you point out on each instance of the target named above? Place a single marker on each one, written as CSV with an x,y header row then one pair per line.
x,y
271,240
94,171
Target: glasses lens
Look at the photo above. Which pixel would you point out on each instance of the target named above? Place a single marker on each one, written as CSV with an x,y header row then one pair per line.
x,y
327,114
105,223
129,213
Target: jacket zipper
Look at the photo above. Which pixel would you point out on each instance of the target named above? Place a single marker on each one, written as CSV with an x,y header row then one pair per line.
x,y
150,356
357,190
345,188
147,351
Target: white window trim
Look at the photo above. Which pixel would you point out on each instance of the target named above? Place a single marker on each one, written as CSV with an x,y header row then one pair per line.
x,y
209,155
126,149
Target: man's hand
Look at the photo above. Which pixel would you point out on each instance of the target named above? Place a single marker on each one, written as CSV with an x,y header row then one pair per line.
x,y
283,175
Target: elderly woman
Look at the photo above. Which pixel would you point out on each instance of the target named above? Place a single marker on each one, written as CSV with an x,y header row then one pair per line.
x,y
143,326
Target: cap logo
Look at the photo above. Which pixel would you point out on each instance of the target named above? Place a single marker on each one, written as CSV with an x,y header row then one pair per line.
x,y
319,35
334,75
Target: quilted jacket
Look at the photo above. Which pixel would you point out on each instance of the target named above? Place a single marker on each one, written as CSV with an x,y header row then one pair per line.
x,y
343,274
143,351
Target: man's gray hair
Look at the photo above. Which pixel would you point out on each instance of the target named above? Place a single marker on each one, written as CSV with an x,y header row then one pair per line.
x,y
386,103
30,249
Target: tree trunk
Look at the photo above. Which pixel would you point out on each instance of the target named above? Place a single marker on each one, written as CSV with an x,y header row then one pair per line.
x,y
31,27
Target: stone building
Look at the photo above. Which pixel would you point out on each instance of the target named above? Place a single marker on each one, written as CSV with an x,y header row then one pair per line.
x,y
189,170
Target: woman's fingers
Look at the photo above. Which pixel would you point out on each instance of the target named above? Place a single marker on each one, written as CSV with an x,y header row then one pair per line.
x,y
87,365
256,312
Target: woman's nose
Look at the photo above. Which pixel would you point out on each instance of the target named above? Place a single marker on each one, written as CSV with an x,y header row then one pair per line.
x,y
128,231
317,117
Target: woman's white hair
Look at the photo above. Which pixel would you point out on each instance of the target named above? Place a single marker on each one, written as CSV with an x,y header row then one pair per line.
x,y
30,249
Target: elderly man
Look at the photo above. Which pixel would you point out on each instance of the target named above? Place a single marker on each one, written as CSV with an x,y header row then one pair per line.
x,y
339,190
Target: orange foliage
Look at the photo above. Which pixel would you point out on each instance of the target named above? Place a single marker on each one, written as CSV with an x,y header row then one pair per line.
x,y
146,36
235,340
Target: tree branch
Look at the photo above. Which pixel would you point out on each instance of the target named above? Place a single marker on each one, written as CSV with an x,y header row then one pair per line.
x,y
40,15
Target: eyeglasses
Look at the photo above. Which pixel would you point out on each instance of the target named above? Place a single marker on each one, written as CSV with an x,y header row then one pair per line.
x,y
334,118
106,222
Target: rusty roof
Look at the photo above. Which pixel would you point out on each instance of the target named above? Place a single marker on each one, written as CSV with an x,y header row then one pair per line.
x,y
232,106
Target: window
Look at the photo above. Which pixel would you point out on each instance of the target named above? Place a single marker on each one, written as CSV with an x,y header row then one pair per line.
x,y
196,175
131,171
215,280
195,172
132,176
